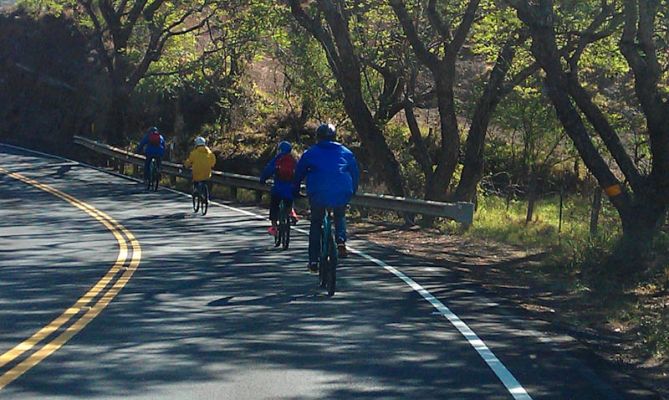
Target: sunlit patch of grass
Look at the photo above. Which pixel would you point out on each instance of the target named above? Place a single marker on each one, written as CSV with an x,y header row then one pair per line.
x,y
506,222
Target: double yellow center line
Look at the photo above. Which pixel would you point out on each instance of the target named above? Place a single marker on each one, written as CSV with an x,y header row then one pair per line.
x,y
27,354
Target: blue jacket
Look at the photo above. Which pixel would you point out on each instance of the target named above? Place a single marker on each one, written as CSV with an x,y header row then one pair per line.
x,y
332,174
283,189
151,150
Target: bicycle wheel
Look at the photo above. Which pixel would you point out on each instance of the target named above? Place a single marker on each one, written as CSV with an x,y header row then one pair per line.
x,y
331,276
284,227
156,178
278,238
149,176
204,199
285,239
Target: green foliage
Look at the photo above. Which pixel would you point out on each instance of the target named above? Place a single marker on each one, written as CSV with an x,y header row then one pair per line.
x,y
504,220
308,78
398,140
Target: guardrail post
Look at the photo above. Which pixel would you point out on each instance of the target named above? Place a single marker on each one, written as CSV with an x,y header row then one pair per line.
x,y
258,196
233,192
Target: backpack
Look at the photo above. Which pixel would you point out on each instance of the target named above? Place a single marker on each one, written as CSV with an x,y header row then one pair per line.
x,y
285,167
154,139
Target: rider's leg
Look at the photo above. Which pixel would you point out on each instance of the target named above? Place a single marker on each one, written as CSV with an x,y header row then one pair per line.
x,y
340,223
340,230
274,202
147,165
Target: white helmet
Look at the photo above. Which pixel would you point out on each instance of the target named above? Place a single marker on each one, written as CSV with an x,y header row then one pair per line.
x,y
200,141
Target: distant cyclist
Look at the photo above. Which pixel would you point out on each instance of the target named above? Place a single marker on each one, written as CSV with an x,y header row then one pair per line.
x,y
282,168
152,146
332,174
202,160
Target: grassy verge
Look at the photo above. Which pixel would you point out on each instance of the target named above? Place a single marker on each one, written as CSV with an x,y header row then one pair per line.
x,y
581,263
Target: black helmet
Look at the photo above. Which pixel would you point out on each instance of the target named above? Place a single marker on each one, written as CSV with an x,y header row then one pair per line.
x,y
326,131
152,129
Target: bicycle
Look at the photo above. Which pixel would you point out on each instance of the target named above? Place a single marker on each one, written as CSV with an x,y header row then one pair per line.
x,y
154,175
327,267
282,237
200,197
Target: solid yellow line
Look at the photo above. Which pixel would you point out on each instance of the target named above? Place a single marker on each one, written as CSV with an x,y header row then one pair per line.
x,y
68,314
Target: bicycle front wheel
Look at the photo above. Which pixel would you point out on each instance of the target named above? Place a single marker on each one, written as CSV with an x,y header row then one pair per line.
x,y
204,202
156,180
331,276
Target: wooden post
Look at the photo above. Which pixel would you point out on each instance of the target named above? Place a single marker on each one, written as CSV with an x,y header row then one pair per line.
x,y
561,208
596,208
531,198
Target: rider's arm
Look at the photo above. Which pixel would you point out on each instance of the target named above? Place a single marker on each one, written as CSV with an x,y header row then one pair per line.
x,y
212,159
301,170
188,162
142,143
268,170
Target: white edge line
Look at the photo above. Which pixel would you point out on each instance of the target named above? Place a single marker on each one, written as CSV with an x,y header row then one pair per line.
x,y
505,376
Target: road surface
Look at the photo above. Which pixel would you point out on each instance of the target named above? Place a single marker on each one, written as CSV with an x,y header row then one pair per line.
x,y
108,291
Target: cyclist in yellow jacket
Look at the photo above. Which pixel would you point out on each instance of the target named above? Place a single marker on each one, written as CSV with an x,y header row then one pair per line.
x,y
202,160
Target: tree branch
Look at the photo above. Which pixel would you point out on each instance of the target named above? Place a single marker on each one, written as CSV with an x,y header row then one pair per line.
x,y
423,54
441,26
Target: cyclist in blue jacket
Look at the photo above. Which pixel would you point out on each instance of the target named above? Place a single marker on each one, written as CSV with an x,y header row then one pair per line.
x,y
282,168
332,174
152,146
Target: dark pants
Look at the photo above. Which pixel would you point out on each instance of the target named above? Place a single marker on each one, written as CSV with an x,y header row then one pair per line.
x,y
147,164
317,215
274,203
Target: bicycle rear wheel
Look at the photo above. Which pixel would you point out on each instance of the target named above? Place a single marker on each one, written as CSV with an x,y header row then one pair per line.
x,y
285,239
149,176
284,227
156,179
204,202
331,276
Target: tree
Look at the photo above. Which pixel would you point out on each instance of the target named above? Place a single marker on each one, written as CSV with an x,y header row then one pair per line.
x,y
327,22
129,37
439,48
640,199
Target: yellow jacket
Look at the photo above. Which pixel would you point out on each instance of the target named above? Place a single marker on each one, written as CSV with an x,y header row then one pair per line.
x,y
202,160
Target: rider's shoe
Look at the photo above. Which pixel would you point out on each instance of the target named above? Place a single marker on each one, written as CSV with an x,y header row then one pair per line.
x,y
312,267
341,250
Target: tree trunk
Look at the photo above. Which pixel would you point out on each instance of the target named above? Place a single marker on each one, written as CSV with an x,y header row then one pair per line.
x,y
642,222
115,129
531,197
447,158
596,209
371,137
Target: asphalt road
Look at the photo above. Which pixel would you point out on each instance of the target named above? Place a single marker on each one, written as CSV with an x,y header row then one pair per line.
x,y
108,291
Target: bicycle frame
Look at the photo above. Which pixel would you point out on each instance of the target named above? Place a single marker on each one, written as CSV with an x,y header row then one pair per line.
x,y
328,262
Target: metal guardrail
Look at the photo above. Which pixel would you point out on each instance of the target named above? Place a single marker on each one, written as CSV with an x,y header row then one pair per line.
x,y
461,212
